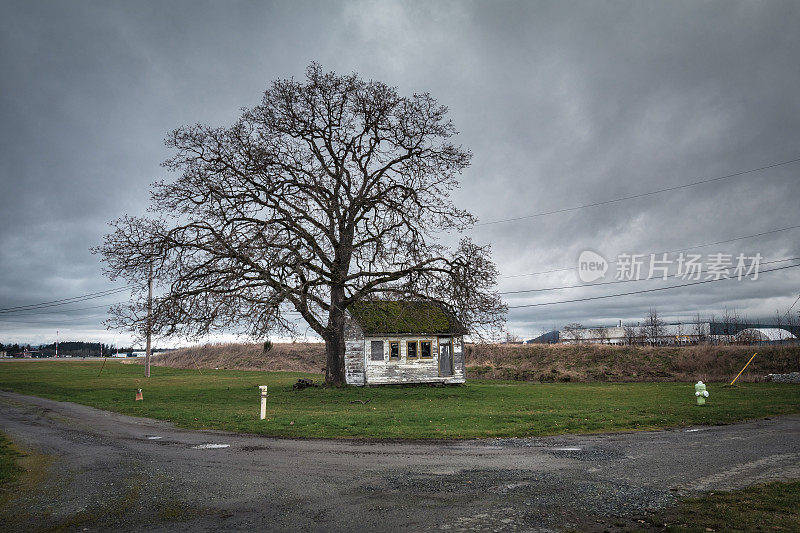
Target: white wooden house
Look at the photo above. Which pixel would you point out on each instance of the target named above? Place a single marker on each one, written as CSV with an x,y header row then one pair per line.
x,y
390,342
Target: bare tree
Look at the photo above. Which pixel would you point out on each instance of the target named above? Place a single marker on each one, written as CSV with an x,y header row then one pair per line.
x,y
680,338
631,335
713,329
736,323
573,332
791,323
654,327
729,320
601,334
329,192
795,323
747,337
778,319
699,329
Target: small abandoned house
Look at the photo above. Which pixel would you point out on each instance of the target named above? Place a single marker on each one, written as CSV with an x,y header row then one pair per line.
x,y
389,342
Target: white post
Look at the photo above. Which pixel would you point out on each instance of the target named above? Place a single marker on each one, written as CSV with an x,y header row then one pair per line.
x,y
263,401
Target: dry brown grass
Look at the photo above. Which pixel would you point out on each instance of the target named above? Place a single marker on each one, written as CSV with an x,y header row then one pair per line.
x,y
531,362
290,357
591,362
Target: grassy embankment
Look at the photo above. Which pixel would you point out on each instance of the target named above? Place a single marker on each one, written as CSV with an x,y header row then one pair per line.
x,y
285,357
587,362
228,400
545,363
768,507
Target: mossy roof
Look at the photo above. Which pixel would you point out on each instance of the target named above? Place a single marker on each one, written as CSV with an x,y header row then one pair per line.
x,y
412,317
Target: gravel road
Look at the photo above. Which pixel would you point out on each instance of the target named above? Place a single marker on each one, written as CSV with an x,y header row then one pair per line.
x,y
113,472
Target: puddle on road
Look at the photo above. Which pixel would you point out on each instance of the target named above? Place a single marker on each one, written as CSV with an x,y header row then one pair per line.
x,y
153,437
210,446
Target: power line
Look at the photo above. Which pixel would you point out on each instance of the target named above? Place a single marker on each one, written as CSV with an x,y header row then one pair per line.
x,y
667,251
523,291
56,311
640,292
65,321
730,240
65,301
641,195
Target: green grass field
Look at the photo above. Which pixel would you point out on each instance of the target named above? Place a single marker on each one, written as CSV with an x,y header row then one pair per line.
x,y
9,469
229,400
768,507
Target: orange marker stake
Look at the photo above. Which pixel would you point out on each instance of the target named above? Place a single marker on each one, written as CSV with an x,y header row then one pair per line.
x,y
745,366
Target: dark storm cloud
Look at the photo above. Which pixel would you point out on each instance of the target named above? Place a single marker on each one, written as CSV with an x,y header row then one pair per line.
x,y
563,104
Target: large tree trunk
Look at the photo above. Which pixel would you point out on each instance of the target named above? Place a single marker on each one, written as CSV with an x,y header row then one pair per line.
x,y
334,353
334,342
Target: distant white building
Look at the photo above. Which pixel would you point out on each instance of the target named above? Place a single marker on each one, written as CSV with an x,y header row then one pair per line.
x,y
668,334
674,334
764,335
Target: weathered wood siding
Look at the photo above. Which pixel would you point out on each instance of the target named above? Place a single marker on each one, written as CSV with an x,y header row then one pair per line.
x,y
406,370
353,352
458,359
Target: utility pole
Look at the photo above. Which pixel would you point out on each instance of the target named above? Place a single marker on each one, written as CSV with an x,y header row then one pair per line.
x,y
795,302
56,344
149,321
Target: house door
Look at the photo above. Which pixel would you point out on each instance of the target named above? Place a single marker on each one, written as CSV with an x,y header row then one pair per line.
x,y
445,359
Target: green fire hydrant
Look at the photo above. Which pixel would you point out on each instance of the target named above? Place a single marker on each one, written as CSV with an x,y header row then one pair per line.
x,y
701,392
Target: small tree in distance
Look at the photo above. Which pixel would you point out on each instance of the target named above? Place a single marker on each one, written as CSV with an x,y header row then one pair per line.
x,y
631,334
331,191
573,332
654,327
700,330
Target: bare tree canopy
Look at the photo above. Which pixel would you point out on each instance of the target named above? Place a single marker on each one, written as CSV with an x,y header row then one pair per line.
x,y
573,332
331,191
654,328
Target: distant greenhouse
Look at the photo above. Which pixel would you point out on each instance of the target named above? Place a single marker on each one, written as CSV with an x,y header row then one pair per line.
x,y
677,334
764,335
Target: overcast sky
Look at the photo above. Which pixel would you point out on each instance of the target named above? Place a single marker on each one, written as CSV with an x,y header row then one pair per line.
x,y
562,103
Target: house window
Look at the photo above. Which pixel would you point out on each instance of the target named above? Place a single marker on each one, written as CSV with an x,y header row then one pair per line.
x,y
394,351
377,351
425,349
411,350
